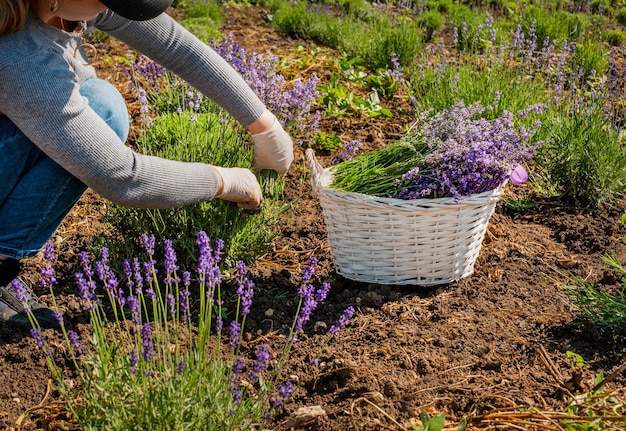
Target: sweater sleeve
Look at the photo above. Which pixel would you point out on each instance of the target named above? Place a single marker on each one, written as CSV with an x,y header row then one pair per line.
x,y
40,95
165,41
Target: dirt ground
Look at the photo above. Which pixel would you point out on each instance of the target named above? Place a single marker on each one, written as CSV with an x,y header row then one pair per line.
x,y
491,348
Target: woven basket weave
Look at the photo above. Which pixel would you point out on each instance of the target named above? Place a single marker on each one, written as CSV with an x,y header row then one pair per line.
x,y
396,241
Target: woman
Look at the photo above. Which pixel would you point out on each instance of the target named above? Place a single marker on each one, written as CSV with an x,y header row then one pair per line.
x,y
62,129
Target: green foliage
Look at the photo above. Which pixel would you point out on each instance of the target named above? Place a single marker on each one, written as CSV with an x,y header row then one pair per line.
x,y
372,173
584,157
602,308
431,22
434,423
371,40
620,16
203,18
615,37
209,138
520,206
560,25
327,142
340,101
590,56
438,87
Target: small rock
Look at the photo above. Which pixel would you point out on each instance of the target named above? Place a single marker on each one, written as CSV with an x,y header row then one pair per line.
x,y
305,414
320,327
269,312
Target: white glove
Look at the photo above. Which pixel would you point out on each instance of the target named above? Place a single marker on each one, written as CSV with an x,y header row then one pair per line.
x,y
240,186
273,149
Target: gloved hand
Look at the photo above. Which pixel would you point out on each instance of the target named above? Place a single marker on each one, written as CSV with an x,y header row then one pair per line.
x,y
240,186
273,149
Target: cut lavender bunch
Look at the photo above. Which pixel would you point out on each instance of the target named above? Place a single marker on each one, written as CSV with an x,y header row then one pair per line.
x,y
457,153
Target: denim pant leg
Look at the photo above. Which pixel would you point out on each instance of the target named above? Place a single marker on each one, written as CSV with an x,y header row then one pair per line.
x,y
36,193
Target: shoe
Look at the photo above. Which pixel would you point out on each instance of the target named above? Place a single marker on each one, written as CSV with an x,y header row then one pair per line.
x,y
12,311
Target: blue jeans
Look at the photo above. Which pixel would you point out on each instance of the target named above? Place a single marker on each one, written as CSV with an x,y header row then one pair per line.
x,y
36,193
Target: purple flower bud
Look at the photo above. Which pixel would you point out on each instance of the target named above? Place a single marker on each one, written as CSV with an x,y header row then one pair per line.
x,y
343,320
75,342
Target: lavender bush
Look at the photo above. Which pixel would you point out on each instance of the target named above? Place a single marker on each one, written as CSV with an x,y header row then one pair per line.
x,y
150,362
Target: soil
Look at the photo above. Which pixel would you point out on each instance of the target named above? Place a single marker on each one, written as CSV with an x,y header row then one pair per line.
x,y
490,349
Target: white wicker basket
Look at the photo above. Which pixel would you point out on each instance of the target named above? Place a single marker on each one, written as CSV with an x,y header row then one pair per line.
x,y
396,241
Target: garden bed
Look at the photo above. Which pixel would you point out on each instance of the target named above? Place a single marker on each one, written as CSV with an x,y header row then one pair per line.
x,y
491,348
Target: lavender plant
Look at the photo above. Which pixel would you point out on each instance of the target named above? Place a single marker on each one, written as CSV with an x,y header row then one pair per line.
x,y
459,153
182,124
150,363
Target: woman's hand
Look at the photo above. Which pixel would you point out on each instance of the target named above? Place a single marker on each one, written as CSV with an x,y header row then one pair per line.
x,y
239,185
273,147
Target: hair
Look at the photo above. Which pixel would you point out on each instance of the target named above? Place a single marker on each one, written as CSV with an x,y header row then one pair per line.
x,y
12,15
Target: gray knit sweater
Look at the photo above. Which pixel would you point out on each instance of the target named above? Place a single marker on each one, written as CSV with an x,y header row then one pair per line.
x,y
39,91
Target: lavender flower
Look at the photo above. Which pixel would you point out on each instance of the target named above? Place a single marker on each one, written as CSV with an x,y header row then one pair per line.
x,y
237,366
146,342
86,288
291,102
343,321
348,152
133,305
133,361
148,243
284,392
235,332
260,365
185,314
41,341
20,294
77,346
171,302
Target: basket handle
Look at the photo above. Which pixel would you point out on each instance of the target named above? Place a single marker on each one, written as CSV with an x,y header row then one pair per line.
x,y
316,169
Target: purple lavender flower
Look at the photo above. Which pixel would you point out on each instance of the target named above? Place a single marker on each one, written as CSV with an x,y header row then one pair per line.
x,y
185,314
137,277
237,396
20,294
133,306
85,263
291,102
260,365
171,303
48,253
343,320
47,276
128,273
41,341
348,151
235,332
180,367
284,392
146,342
309,270
322,292
149,270
246,297
58,317
237,366
148,243
75,342
133,361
